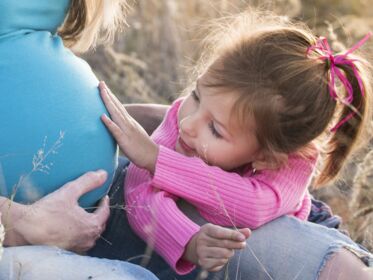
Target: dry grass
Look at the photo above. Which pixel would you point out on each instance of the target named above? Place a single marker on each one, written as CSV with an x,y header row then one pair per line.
x,y
151,60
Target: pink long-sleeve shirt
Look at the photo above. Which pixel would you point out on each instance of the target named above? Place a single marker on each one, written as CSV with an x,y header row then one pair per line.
x,y
221,197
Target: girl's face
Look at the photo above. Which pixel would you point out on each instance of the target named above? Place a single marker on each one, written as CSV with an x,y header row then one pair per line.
x,y
207,131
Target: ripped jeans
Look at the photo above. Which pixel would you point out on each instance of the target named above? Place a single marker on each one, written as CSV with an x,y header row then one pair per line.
x,y
284,249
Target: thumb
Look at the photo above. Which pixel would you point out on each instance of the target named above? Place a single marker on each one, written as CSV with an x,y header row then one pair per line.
x,y
85,183
103,210
246,232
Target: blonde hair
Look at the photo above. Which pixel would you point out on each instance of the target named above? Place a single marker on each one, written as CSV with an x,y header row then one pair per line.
x,y
263,58
89,22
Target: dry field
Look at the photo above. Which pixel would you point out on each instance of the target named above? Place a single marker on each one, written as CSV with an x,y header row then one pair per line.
x,y
151,59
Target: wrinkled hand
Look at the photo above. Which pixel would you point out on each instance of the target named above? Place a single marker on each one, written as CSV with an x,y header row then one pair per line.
x,y
57,219
130,135
213,246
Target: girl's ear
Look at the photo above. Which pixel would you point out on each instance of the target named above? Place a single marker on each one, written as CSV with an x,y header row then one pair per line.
x,y
273,160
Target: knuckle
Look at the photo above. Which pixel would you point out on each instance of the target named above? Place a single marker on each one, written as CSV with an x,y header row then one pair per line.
x,y
201,262
69,185
97,229
225,243
209,226
230,254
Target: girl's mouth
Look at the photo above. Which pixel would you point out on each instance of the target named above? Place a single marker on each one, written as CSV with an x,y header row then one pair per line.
x,y
184,146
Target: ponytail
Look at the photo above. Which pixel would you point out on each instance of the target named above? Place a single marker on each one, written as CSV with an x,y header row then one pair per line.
x,y
348,131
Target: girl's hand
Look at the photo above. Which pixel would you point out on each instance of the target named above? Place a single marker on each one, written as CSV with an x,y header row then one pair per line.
x,y
213,246
131,137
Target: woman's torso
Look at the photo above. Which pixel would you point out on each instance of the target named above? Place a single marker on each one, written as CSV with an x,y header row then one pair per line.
x,y
50,127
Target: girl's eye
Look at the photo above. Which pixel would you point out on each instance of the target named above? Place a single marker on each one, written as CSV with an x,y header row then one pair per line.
x,y
214,131
195,96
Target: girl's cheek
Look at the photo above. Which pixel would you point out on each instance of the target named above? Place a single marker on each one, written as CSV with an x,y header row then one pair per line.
x,y
204,152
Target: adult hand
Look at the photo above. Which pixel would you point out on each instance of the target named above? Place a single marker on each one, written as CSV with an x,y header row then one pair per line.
x,y
213,246
57,219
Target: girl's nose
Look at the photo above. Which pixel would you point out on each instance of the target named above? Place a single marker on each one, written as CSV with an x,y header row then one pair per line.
x,y
188,126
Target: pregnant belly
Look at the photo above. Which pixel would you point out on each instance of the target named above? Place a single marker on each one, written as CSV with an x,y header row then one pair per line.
x,y
50,124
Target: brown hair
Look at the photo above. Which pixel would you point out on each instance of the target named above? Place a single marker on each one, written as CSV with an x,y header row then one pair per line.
x,y
89,22
264,59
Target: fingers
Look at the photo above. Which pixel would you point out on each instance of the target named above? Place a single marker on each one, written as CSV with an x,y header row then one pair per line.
x,y
114,110
225,243
214,259
219,232
246,232
113,105
216,268
114,129
103,211
218,253
121,123
213,265
85,183
114,99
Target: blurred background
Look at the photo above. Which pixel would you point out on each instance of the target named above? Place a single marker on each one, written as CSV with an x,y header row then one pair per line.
x,y
151,59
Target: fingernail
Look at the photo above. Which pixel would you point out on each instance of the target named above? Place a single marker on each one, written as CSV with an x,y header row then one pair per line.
x,y
101,173
241,237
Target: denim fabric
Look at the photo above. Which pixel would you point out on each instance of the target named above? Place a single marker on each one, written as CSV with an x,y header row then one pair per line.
x,y
286,248
46,263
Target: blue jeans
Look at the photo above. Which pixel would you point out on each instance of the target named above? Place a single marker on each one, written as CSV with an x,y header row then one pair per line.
x,y
286,248
46,263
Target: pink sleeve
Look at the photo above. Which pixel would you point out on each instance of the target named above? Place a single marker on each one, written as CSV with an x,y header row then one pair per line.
x,y
155,217
304,212
228,199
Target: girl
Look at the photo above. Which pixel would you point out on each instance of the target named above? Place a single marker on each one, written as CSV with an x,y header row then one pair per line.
x,y
241,146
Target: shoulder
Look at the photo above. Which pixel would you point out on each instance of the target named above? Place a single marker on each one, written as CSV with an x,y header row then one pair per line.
x,y
308,154
171,114
174,109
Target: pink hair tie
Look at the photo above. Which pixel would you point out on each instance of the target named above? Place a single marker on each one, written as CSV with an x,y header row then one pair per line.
x,y
323,47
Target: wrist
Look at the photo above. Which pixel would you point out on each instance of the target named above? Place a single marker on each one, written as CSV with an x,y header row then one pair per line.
x,y
153,155
14,220
190,253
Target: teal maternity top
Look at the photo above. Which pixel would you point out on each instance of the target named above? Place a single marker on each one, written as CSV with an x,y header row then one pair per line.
x,y
50,127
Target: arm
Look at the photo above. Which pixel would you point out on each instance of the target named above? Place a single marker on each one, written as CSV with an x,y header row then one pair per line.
x,y
224,198
229,199
155,217
57,219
